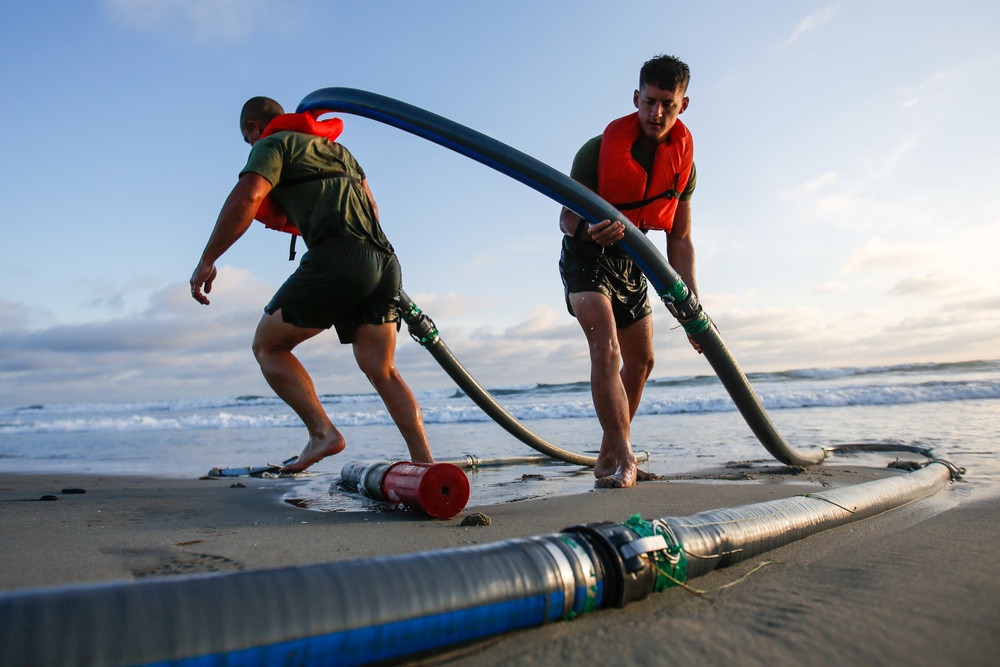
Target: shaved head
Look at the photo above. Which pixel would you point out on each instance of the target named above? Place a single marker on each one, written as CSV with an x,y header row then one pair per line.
x,y
261,110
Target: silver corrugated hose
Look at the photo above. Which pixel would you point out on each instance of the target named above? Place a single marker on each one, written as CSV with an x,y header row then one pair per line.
x,y
719,538
377,609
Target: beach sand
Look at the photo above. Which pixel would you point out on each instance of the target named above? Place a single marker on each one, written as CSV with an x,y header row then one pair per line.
x,y
916,586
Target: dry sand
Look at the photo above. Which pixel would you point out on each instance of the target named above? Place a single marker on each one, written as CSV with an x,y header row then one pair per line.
x,y
917,586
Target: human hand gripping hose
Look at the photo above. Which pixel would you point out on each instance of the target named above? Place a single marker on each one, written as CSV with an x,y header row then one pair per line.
x,y
678,298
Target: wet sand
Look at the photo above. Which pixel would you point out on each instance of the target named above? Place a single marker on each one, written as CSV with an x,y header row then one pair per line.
x,y
916,586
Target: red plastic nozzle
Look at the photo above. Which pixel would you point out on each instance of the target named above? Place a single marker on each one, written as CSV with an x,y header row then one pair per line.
x,y
438,489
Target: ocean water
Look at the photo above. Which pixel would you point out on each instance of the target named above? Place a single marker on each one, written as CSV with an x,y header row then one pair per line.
x,y
685,424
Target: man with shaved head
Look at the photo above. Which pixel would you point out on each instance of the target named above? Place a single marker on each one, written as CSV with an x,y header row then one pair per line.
x,y
299,179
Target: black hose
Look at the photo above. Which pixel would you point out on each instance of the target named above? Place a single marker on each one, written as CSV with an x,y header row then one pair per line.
x,y
679,299
424,331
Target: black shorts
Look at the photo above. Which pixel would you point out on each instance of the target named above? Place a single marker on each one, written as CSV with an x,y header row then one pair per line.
x,y
342,283
584,268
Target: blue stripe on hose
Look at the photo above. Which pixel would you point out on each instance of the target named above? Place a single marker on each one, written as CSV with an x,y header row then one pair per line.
x,y
580,598
374,643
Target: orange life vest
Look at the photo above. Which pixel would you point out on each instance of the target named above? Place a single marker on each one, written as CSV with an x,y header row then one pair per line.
x,y
269,212
649,200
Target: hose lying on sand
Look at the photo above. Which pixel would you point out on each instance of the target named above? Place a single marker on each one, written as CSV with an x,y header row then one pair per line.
x,y
366,611
679,299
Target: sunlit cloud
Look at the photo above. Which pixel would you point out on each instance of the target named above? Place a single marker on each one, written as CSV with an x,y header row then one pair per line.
x,y
880,254
832,287
450,304
178,348
543,324
810,23
824,200
934,88
933,284
812,186
880,164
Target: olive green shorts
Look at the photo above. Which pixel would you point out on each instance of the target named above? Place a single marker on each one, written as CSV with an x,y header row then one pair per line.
x,y
584,268
342,283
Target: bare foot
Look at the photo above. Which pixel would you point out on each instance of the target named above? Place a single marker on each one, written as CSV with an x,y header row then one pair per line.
x,y
316,450
643,476
622,478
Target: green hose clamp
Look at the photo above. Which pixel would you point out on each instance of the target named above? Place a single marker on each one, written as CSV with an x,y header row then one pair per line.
x,y
674,293
700,324
670,563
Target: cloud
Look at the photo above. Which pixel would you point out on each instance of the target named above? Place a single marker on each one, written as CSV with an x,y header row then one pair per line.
x,y
447,305
811,187
810,23
880,254
175,348
204,19
935,87
931,285
832,287
16,315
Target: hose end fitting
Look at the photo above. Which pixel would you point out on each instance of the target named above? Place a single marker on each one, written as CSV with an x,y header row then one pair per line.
x,y
629,574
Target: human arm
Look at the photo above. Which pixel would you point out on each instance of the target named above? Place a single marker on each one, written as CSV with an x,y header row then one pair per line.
x,y
234,219
603,233
680,246
584,172
371,197
680,251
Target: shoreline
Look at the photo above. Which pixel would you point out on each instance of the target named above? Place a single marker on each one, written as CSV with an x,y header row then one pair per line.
x,y
917,585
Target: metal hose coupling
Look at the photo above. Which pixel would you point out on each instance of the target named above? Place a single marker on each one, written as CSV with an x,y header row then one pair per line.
x,y
684,305
365,478
629,575
421,327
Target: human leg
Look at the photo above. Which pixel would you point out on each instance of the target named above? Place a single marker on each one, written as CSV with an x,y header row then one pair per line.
x,y
375,350
273,343
616,466
636,342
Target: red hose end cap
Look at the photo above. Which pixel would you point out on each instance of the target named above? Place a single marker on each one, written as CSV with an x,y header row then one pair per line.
x,y
440,490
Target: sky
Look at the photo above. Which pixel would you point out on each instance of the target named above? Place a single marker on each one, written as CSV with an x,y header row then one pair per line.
x,y
847,211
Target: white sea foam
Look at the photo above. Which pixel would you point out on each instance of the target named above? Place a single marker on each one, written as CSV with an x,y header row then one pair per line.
x,y
684,424
797,389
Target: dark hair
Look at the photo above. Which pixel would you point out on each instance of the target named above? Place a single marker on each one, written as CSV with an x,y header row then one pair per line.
x,y
665,72
261,109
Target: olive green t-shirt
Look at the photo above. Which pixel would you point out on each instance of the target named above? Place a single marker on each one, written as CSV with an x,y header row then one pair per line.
x,y
317,183
584,168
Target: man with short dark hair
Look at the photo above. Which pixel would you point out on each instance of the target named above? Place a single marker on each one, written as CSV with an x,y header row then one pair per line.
x,y
642,164
297,178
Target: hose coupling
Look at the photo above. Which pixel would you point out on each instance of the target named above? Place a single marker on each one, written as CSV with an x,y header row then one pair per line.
x,y
629,576
421,327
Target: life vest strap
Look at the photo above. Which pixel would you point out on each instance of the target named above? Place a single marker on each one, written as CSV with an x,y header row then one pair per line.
x,y
309,178
670,193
